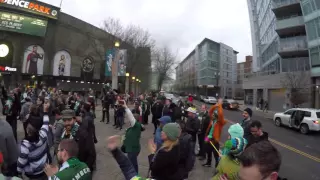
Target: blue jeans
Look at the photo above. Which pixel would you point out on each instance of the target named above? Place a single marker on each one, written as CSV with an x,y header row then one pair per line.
x,y
120,120
133,157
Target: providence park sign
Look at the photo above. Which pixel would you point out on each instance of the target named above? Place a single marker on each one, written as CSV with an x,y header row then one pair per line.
x,y
31,6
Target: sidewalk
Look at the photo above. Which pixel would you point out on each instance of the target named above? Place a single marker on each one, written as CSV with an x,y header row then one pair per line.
x,y
255,111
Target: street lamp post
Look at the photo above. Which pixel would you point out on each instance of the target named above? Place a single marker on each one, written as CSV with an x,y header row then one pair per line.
x,y
137,87
133,86
115,66
127,83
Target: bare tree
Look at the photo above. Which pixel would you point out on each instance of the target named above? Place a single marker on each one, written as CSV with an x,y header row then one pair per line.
x,y
163,64
298,85
133,35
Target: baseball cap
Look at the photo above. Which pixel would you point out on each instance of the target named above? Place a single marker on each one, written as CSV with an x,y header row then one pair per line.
x,y
68,114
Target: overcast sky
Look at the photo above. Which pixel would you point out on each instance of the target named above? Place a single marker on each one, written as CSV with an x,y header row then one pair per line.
x,y
180,24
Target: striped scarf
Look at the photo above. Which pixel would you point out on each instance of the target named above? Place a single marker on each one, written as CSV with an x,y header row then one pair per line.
x,y
72,134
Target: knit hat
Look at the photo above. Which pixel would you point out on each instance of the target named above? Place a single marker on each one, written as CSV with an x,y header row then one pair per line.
x,y
249,111
234,146
172,130
165,119
236,131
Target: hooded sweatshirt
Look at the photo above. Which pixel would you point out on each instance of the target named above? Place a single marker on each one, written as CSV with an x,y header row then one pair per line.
x,y
157,137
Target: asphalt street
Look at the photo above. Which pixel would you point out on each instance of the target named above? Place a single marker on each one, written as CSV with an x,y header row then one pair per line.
x,y
300,153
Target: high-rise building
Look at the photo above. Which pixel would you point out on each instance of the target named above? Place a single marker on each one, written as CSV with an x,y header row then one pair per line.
x,y
210,69
311,13
280,45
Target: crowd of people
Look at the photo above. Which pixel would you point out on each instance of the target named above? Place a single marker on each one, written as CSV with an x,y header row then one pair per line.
x,y
59,137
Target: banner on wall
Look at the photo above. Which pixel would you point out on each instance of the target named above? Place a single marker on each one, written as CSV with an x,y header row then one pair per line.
x,y
109,59
33,60
61,64
122,62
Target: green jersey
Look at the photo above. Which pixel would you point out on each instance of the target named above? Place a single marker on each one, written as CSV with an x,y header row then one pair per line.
x,y
73,169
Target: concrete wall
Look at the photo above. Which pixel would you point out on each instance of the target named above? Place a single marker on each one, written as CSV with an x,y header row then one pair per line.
x,y
269,82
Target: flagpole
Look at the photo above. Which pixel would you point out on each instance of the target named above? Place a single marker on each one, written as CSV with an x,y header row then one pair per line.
x,y
61,3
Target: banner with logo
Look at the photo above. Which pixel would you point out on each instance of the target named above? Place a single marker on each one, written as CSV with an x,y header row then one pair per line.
x,y
122,62
109,59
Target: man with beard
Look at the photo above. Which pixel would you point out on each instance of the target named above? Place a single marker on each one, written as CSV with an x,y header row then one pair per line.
x,y
33,58
87,151
70,166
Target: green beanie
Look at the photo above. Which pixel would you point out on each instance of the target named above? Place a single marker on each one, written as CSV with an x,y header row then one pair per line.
x,y
172,131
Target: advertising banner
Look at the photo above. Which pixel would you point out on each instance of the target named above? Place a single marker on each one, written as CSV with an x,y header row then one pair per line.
x,y
32,6
22,24
122,62
61,64
109,59
33,60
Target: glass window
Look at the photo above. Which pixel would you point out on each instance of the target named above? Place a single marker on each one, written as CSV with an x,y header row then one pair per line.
x,y
318,114
307,113
317,21
289,112
317,2
312,30
315,56
307,8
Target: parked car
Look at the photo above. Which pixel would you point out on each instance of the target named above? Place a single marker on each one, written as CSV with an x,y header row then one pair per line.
x,y
210,100
230,104
303,119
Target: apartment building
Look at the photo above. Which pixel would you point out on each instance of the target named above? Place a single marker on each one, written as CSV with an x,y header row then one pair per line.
x,y
311,17
280,47
243,68
209,69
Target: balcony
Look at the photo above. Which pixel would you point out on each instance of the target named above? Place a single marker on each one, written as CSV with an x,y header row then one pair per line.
x,y
293,47
285,7
290,26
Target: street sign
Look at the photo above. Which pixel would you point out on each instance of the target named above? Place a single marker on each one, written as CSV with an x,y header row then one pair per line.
x,y
22,24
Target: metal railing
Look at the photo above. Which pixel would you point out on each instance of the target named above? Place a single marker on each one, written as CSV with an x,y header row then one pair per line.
x,y
293,43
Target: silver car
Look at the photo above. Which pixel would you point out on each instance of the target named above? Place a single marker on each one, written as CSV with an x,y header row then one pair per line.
x,y
303,119
210,100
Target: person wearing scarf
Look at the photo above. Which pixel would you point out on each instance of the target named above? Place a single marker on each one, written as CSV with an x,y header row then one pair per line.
x,y
70,166
213,132
70,125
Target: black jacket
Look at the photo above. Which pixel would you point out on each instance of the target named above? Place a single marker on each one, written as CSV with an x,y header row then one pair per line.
x,y
87,150
252,139
166,164
170,111
156,110
205,121
192,125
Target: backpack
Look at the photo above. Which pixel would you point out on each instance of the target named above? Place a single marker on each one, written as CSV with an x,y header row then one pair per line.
x,y
187,151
